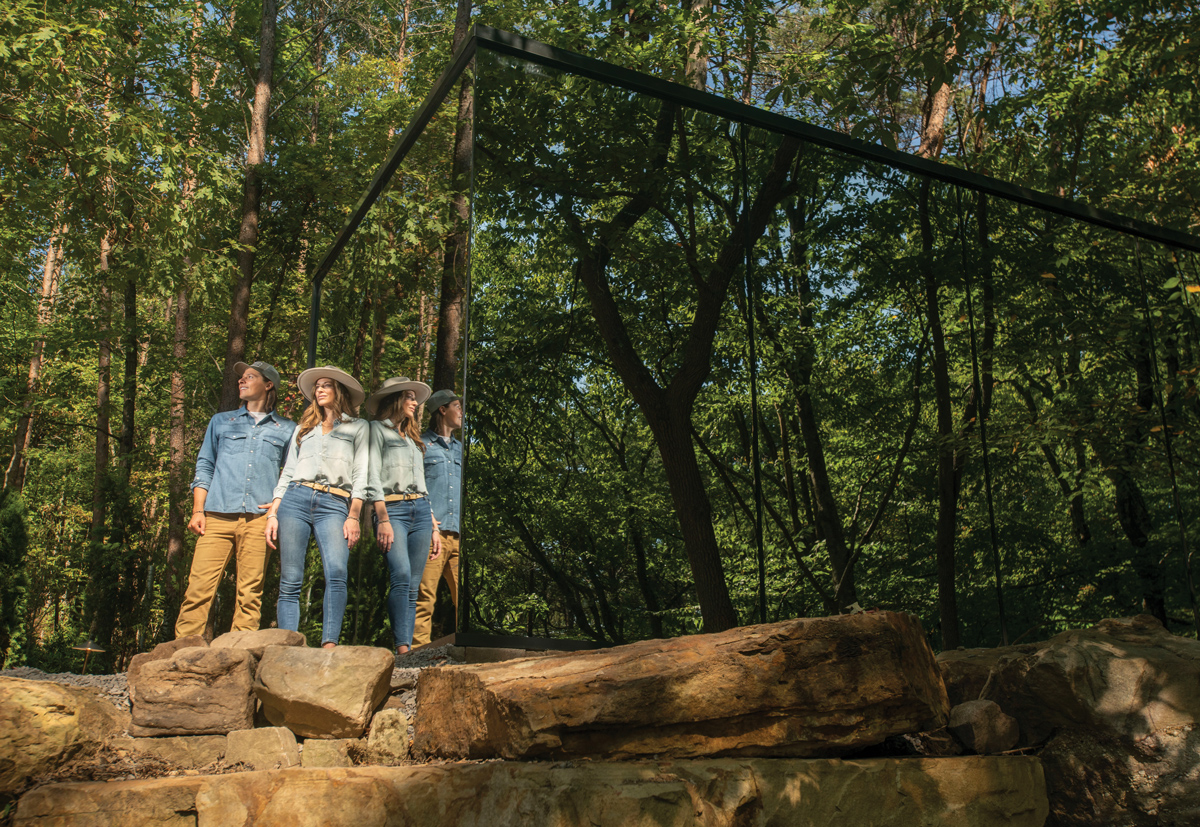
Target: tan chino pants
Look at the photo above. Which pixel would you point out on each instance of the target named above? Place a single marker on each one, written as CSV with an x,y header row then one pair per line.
x,y
225,535
446,565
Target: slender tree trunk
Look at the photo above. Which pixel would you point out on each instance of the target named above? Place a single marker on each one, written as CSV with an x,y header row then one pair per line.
x,y
99,616
947,514
239,312
933,135
696,68
825,509
454,259
177,475
14,478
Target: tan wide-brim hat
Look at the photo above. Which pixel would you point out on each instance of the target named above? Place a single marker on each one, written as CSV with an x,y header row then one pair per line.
x,y
395,385
308,378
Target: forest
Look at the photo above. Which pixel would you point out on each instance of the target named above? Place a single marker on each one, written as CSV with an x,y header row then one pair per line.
x,y
714,375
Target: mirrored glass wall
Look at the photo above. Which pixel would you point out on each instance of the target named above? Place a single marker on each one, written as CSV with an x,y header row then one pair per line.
x,y
718,370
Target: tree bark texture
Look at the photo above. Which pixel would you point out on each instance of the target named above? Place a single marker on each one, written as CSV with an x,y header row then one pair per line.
x,y
455,262
14,477
100,619
239,311
177,479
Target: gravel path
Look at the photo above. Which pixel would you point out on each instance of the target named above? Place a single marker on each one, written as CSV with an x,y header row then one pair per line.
x,y
114,688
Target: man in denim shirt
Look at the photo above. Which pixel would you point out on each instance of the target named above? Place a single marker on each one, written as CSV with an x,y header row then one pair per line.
x,y
236,472
443,479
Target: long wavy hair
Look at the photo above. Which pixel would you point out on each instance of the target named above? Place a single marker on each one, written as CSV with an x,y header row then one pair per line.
x,y
314,413
390,408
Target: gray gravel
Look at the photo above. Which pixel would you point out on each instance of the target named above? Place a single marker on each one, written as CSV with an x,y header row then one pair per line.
x,y
113,688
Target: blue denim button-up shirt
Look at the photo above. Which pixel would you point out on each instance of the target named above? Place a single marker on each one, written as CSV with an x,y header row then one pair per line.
x,y
239,460
338,458
443,479
397,466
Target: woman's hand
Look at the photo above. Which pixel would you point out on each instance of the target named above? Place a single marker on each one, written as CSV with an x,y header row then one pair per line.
x,y
350,530
384,536
272,530
437,545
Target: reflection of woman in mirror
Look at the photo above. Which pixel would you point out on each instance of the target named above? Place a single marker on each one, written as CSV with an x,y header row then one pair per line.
x,y
404,519
321,492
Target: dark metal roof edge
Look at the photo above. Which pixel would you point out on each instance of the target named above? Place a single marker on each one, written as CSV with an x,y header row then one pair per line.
x,y
515,45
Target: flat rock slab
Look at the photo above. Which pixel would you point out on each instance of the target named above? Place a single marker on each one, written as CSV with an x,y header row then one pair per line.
x,y
43,725
267,748
976,791
323,693
813,687
186,752
256,642
195,691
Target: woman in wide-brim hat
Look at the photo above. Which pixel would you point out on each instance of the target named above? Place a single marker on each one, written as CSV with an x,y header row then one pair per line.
x,y
404,524
320,493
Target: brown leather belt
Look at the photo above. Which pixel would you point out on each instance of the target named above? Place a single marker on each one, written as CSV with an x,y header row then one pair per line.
x,y
327,489
399,498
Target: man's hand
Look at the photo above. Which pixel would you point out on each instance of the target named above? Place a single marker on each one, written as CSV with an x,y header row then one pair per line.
x,y
196,525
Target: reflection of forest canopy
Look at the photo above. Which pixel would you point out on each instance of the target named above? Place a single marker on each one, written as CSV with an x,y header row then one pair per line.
x,y
611,484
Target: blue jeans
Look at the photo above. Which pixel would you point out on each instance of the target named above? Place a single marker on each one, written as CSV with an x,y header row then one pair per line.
x,y
412,526
303,512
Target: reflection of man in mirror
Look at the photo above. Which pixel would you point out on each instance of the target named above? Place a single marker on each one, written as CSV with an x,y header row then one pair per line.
x,y
443,478
236,471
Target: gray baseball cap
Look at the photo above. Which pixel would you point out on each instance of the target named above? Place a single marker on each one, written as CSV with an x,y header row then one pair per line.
x,y
440,398
268,372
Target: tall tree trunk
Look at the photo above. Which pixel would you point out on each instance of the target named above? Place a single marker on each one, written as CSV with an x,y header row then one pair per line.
x,y
668,409
14,477
454,259
696,66
947,476
99,616
177,484
933,136
825,510
239,311
177,475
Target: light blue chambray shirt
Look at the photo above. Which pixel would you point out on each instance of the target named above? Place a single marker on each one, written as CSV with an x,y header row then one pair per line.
x,y
239,460
397,463
443,478
339,458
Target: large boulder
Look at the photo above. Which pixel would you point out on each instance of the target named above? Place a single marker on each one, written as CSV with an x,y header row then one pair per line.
x,y
196,691
44,725
1117,707
976,791
822,686
163,651
323,693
